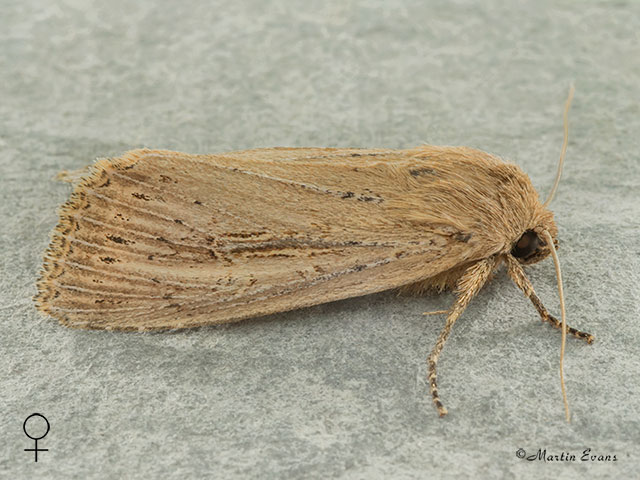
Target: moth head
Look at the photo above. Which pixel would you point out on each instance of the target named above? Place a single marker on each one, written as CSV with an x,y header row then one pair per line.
x,y
532,246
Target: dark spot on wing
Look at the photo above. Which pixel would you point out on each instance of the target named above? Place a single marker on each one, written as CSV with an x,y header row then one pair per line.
x,y
417,172
365,198
141,196
117,239
244,234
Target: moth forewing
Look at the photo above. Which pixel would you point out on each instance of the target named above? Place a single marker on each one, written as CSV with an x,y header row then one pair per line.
x,y
158,239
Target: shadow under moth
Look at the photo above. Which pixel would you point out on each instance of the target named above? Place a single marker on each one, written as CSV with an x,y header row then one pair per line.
x,y
165,240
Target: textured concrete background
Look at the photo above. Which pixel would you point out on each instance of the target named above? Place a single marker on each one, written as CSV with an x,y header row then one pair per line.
x,y
337,390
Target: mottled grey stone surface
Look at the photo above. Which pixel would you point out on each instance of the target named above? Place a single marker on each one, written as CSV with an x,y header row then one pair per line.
x,y
336,390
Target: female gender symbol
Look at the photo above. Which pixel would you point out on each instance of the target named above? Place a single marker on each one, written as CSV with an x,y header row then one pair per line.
x,y
24,427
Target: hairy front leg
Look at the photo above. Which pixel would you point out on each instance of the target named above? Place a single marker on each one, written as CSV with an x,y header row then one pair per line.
x,y
468,286
515,271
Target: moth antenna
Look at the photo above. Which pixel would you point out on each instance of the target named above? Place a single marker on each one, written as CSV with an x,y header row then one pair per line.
x,y
556,261
564,146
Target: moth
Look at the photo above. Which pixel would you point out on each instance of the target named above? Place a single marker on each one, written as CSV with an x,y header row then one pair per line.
x,y
165,240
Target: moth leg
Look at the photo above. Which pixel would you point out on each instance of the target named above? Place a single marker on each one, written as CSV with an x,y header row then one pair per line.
x,y
515,271
468,286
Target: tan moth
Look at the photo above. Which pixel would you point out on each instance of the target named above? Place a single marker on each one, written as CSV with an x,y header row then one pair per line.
x,y
164,240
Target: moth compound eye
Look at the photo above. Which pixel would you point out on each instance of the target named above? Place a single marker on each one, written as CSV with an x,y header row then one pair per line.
x,y
526,246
